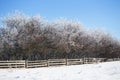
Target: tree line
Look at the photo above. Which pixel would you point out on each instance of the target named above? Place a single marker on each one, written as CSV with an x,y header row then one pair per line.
x,y
25,37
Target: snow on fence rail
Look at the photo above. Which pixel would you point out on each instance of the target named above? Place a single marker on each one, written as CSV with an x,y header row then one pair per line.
x,y
52,62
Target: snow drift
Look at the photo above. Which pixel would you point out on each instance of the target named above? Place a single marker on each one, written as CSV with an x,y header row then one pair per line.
x,y
102,71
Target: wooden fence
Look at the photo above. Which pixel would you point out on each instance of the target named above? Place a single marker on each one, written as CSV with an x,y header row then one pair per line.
x,y
37,63
12,64
52,62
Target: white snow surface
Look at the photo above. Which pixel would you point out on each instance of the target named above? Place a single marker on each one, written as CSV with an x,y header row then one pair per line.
x,y
101,71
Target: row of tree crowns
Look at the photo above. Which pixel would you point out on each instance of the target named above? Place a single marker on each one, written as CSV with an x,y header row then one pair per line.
x,y
33,38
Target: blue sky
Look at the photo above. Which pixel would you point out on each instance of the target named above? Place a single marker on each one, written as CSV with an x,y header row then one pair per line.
x,y
103,14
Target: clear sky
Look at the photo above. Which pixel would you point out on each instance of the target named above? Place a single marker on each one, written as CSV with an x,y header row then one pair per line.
x,y
103,14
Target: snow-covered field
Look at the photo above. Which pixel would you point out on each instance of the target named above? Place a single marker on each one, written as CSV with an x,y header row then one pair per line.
x,y
102,71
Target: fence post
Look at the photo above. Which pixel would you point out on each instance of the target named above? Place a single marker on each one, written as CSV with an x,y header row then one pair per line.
x,y
47,62
26,63
9,65
16,64
83,60
66,62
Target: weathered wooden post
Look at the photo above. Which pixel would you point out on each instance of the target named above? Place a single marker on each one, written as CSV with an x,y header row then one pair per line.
x,y
47,62
26,64
66,61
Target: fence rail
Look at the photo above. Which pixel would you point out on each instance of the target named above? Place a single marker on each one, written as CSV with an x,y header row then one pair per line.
x,y
52,62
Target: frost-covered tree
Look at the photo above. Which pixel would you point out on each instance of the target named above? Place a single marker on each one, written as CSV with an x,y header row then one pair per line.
x,y
33,38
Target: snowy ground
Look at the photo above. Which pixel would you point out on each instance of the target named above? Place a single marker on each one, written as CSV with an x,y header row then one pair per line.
x,y
102,71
